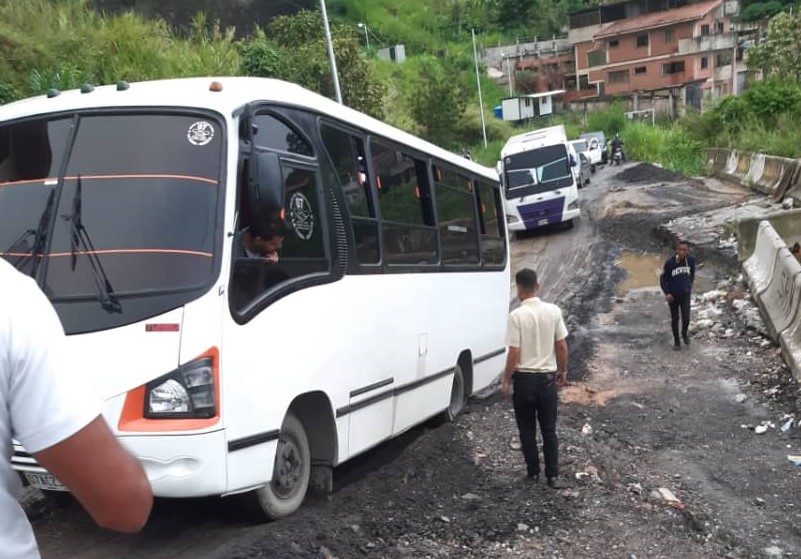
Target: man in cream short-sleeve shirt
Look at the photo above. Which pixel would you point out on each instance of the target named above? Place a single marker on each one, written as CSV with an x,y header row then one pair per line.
x,y
47,409
537,361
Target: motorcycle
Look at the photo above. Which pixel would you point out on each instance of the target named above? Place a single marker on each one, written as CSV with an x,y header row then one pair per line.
x,y
617,155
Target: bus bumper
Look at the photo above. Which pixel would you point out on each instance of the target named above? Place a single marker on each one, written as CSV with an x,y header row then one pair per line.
x,y
532,216
182,465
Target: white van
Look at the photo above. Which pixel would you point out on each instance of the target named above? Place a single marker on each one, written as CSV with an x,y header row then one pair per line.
x,y
536,170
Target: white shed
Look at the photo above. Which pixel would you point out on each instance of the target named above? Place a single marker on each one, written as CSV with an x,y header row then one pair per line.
x,y
529,106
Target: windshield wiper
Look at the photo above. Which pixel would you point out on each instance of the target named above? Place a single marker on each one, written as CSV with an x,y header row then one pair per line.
x,y
79,236
33,252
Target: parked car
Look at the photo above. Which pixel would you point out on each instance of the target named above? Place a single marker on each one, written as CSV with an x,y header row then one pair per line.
x,y
596,142
583,167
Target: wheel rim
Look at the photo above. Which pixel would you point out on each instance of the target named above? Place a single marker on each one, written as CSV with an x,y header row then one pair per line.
x,y
288,469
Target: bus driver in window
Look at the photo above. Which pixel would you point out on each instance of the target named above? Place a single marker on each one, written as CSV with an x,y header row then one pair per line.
x,y
261,240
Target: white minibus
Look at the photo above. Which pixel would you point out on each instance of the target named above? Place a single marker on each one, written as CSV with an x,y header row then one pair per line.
x,y
222,370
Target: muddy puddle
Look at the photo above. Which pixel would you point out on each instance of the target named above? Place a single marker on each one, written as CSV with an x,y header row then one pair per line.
x,y
643,270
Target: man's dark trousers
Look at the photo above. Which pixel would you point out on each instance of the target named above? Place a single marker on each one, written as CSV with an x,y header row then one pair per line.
x,y
680,303
535,402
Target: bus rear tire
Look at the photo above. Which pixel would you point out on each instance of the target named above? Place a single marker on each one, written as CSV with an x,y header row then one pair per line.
x,y
291,473
458,395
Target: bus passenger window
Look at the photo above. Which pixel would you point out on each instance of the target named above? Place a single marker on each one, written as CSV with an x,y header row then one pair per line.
x,y
405,201
346,152
456,217
493,248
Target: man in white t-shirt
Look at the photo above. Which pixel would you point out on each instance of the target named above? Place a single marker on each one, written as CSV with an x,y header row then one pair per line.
x,y
45,408
537,360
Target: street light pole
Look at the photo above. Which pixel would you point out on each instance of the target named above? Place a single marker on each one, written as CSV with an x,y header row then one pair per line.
x,y
509,73
478,80
330,47
366,36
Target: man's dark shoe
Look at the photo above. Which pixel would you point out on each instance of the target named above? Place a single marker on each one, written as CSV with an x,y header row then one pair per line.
x,y
531,479
686,339
556,483
676,345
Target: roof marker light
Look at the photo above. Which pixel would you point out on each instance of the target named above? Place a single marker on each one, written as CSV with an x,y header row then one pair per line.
x,y
122,85
53,92
87,88
216,87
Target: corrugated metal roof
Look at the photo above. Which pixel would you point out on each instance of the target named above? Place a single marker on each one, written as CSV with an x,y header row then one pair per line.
x,y
658,19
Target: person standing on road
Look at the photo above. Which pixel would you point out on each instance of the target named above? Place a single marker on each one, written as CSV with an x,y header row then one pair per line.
x,y
676,281
536,337
47,409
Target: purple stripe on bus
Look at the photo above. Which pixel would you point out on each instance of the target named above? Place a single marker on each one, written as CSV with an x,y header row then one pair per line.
x,y
551,211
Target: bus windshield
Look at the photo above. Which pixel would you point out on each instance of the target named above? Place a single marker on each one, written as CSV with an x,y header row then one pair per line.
x,y
537,170
116,206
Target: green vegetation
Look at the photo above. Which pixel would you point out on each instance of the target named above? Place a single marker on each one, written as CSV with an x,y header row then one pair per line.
x,y
64,43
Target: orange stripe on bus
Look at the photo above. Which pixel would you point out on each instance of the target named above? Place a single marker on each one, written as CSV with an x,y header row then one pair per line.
x,y
133,417
112,251
103,177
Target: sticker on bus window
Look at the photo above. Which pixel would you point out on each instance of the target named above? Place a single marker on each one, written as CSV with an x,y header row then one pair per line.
x,y
200,133
301,216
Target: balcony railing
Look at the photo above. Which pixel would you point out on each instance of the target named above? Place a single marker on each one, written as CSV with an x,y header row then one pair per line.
x,y
707,43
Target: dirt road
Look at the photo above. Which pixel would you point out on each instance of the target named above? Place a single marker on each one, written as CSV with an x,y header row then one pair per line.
x,y
636,418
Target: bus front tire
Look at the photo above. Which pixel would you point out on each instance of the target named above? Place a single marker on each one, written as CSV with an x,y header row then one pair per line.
x,y
285,493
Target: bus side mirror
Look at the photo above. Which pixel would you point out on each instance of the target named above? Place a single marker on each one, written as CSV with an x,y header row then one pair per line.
x,y
266,184
499,167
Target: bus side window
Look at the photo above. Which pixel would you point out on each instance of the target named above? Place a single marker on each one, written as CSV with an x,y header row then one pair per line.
x,y
347,154
407,221
456,217
493,248
295,241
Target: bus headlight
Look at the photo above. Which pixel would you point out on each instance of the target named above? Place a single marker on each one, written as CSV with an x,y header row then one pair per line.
x,y
511,218
573,205
187,392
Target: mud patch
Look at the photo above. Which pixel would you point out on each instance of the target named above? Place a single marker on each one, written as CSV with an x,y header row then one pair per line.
x,y
643,270
647,173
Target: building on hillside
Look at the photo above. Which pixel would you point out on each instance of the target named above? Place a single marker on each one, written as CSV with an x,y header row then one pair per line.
x,y
531,67
395,53
529,106
651,52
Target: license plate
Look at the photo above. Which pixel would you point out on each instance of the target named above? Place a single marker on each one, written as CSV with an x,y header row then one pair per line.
x,y
44,481
542,222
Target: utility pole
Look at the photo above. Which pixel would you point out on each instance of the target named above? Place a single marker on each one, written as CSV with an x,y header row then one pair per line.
x,y
366,37
478,81
509,73
330,47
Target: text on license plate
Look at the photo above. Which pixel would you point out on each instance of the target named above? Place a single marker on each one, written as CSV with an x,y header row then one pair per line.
x,y
542,222
44,481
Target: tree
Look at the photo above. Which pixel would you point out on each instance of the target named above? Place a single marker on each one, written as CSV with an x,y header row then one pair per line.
x,y
293,49
438,104
780,53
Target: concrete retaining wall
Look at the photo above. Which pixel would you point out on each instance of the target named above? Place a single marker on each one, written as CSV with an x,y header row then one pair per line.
x,y
786,224
774,277
774,176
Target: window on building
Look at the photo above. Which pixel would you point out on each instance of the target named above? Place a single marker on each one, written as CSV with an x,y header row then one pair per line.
x,y
640,70
456,217
723,59
614,43
704,30
704,63
346,152
621,76
596,58
642,40
404,195
571,82
667,36
718,27
673,68
584,82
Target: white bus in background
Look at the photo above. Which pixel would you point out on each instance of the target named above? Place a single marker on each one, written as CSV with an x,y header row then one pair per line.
x,y
536,170
227,375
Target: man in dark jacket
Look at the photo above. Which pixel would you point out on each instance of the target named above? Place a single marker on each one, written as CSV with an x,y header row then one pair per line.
x,y
676,281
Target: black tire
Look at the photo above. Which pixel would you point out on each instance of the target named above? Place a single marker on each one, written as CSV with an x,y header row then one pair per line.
x,y
458,395
592,168
291,473
569,224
